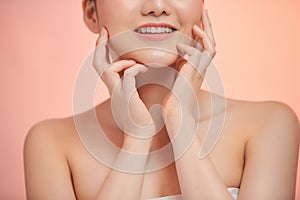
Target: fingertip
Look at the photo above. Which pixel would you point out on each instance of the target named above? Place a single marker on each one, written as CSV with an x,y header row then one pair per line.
x,y
198,31
102,31
180,45
97,41
195,26
131,61
142,67
103,36
207,21
204,16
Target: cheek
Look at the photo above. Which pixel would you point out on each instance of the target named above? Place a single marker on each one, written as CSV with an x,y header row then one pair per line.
x,y
189,13
117,15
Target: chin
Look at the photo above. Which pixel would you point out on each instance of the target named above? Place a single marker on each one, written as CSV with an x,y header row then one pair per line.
x,y
127,45
152,58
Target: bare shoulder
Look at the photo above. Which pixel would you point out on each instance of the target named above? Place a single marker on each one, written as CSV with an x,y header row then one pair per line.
x,y
271,149
52,132
266,117
253,118
47,173
57,163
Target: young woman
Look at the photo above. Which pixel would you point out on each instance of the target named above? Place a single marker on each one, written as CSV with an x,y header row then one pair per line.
x,y
253,156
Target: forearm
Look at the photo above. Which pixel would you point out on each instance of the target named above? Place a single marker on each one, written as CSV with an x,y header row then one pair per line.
x,y
126,184
198,178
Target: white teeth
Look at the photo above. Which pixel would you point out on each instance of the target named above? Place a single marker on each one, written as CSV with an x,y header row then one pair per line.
x,y
153,30
159,30
143,30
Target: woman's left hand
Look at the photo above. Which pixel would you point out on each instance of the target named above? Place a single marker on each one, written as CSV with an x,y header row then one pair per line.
x,y
181,103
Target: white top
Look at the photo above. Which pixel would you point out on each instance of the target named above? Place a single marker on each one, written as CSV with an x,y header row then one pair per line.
x,y
233,191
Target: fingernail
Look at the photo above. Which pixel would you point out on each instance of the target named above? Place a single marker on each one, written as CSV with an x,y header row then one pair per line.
x,y
102,31
196,26
179,47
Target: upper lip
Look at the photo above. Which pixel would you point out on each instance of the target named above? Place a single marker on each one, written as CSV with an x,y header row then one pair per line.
x,y
155,24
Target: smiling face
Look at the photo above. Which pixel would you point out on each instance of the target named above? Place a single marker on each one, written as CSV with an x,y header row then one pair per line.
x,y
135,24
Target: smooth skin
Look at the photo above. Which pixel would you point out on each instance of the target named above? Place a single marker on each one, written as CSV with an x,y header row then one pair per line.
x,y
257,151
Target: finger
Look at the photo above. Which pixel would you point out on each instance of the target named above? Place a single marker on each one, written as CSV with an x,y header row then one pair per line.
x,y
186,87
133,114
194,56
197,43
206,60
121,65
199,46
208,27
132,97
208,46
111,76
103,36
101,59
192,52
187,49
129,83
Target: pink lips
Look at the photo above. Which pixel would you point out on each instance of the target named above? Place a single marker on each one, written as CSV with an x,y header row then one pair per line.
x,y
156,36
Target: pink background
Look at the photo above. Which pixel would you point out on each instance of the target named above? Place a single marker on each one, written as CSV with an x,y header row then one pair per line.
x,y
43,43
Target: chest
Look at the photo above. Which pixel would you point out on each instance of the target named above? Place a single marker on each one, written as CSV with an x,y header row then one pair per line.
x,y
88,174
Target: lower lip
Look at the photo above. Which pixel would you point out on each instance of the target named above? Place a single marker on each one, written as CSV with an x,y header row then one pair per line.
x,y
156,36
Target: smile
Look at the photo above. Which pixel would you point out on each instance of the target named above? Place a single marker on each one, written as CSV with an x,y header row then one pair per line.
x,y
154,30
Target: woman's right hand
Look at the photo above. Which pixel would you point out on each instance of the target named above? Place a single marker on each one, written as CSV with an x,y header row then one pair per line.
x,y
129,111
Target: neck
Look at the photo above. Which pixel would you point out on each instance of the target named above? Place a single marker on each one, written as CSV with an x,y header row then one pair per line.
x,y
153,86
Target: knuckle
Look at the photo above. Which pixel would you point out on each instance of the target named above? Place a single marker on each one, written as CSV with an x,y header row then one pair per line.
x,y
126,74
105,73
214,52
214,43
129,72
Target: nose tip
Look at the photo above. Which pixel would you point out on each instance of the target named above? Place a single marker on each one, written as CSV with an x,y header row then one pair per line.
x,y
155,8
